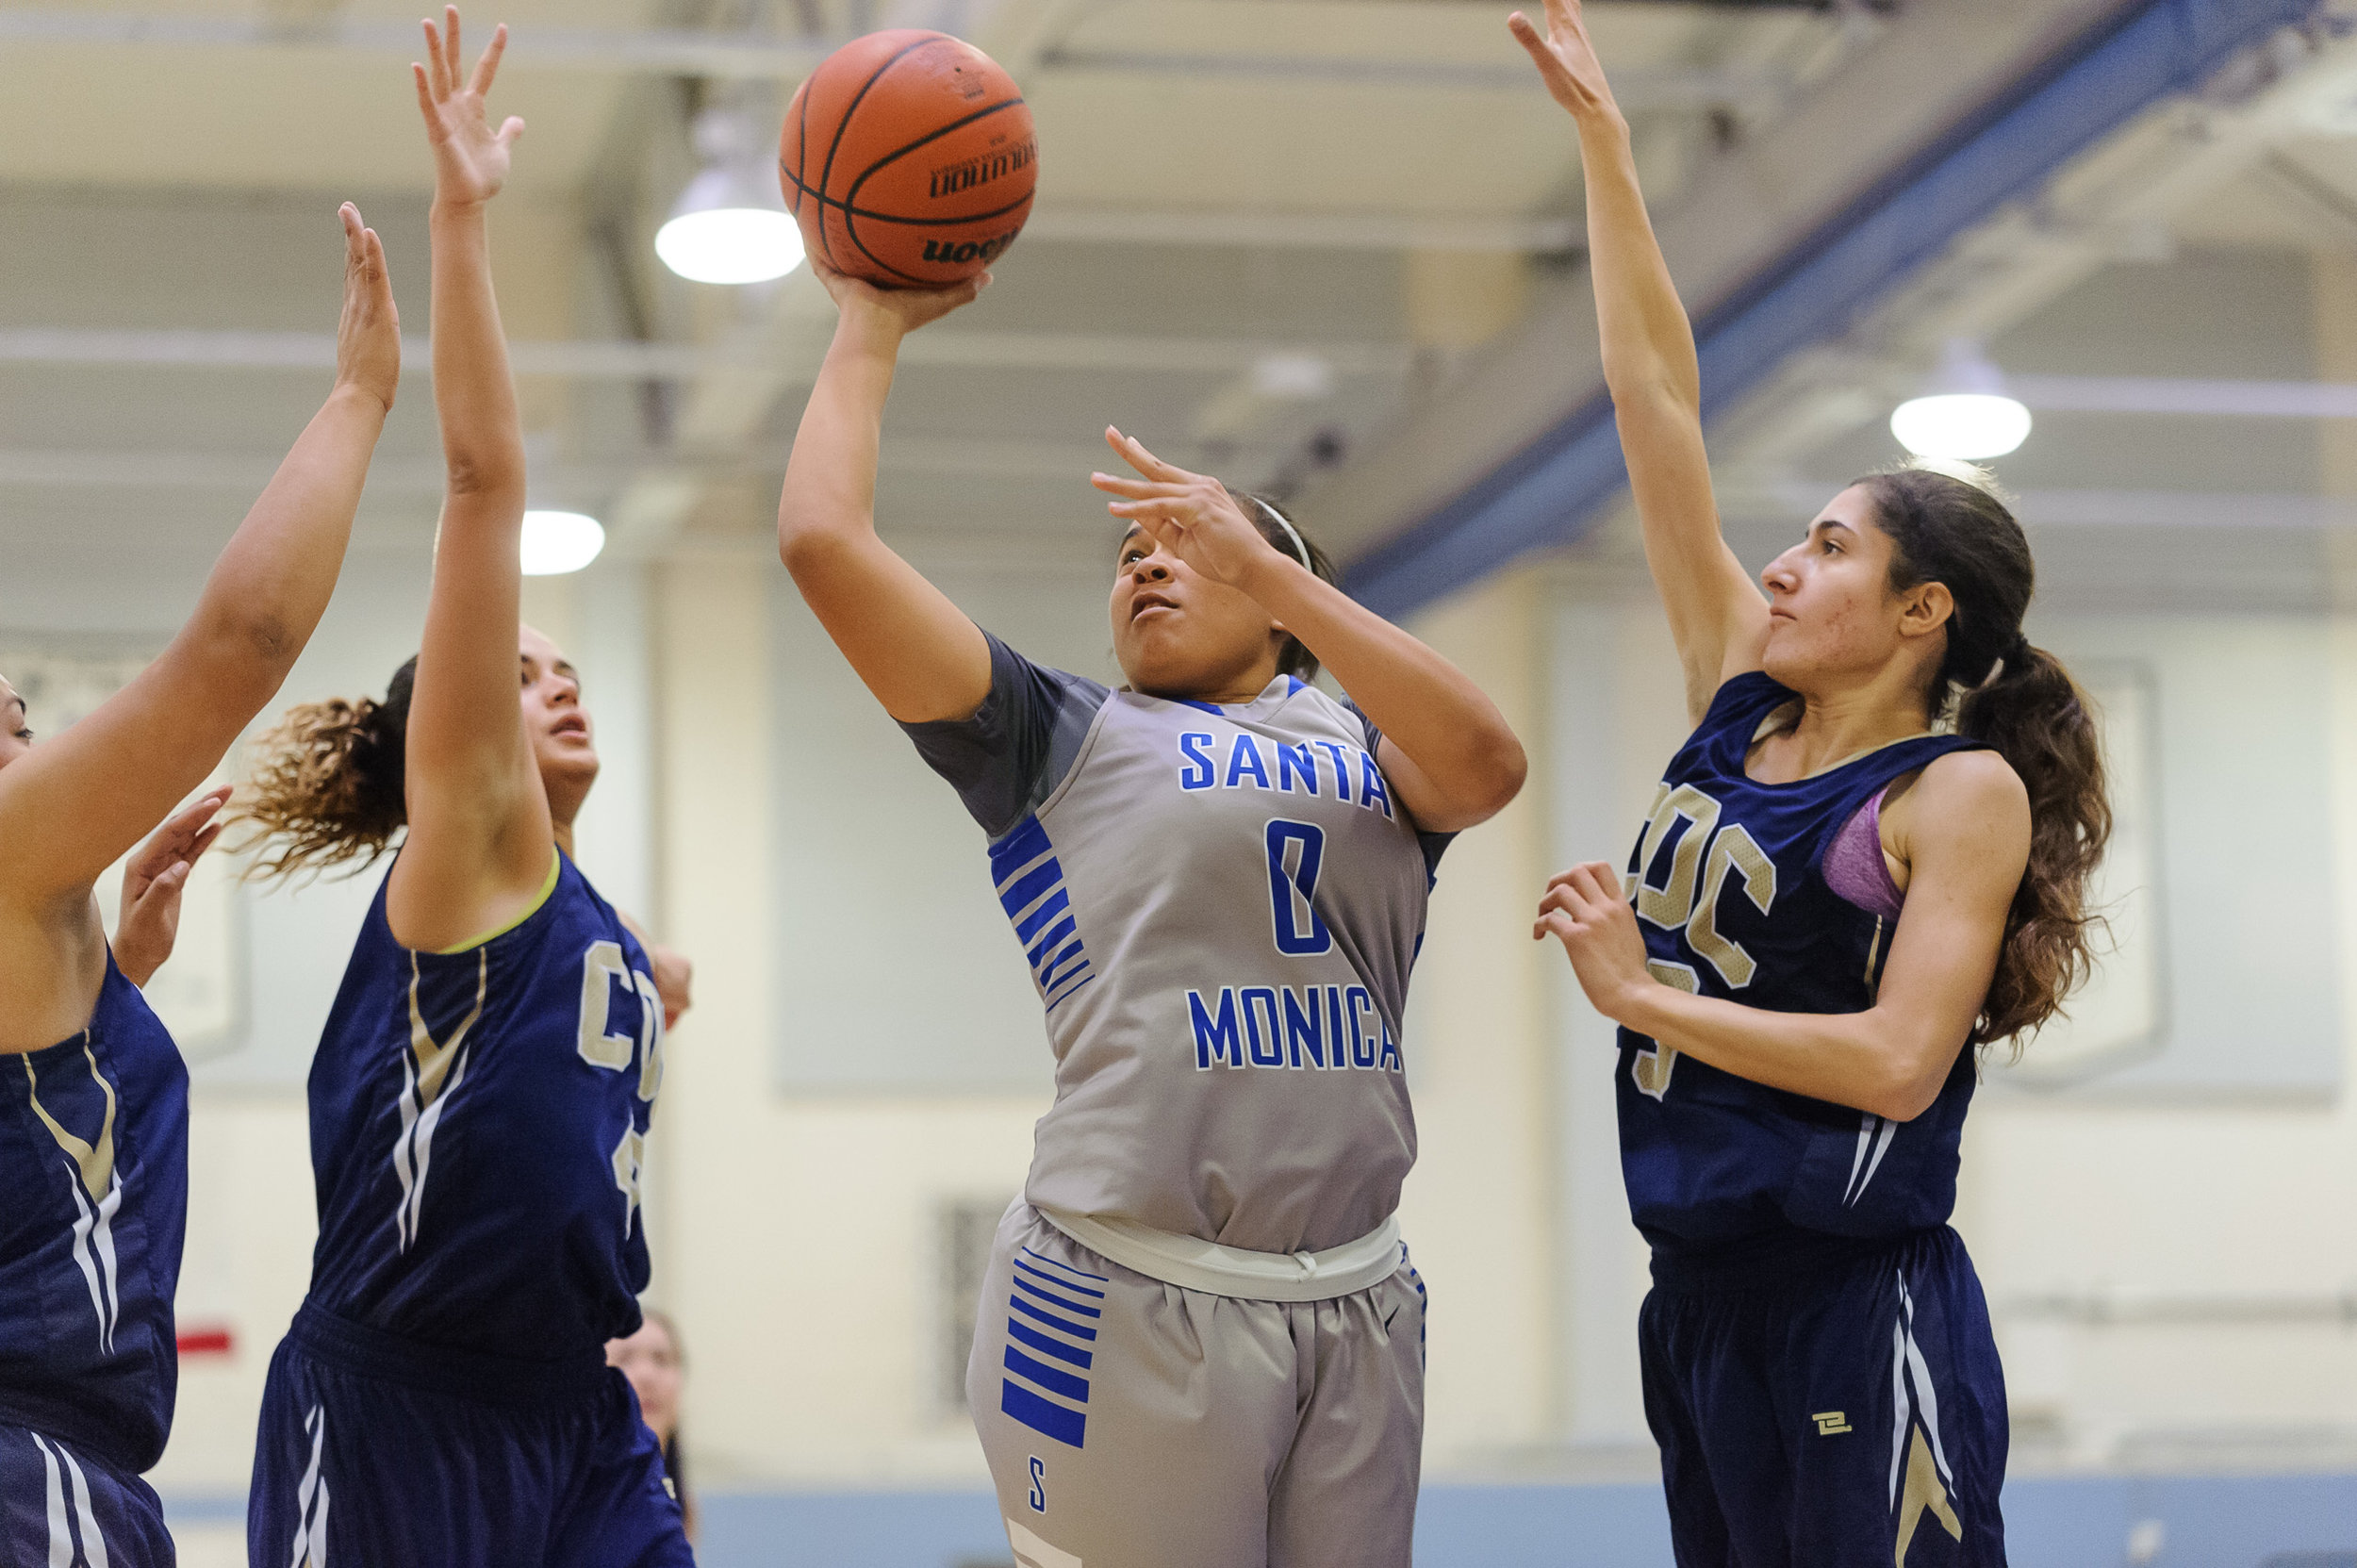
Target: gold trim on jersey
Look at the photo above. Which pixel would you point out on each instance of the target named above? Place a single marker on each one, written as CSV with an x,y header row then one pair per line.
x,y
95,1162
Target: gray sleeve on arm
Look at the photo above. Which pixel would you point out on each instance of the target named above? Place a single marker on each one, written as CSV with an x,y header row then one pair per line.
x,y
1012,752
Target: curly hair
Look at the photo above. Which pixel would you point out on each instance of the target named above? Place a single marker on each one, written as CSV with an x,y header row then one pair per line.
x,y
2023,705
327,786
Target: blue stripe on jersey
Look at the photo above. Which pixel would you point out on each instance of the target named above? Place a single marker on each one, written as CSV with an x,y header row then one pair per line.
x,y
1077,1331
1055,1300
1056,1347
1060,1422
1057,1281
1042,1257
1031,885
1046,1376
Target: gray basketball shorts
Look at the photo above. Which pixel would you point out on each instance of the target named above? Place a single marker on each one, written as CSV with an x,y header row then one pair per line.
x,y
1134,1424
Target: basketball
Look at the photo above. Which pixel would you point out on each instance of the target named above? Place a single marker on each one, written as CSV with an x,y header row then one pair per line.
x,y
908,159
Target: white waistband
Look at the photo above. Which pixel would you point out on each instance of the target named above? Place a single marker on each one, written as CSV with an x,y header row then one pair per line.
x,y
1195,1265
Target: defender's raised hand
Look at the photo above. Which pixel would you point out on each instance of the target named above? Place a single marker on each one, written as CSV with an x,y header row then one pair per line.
x,y
367,339
1191,515
471,159
1567,59
149,924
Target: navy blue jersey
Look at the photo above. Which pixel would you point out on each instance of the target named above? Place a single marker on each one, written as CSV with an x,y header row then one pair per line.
x,y
1730,892
94,1158
478,1125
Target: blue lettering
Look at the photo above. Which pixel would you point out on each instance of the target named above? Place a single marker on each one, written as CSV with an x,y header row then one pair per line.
x,y
1341,769
1391,1049
1291,760
1245,759
1305,1026
1267,1050
1286,918
1362,1045
1370,784
1195,746
1215,1039
1334,1018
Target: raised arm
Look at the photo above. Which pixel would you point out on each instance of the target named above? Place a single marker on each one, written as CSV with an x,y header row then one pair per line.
x,y
480,835
1717,615
71,807
918,653
1447,750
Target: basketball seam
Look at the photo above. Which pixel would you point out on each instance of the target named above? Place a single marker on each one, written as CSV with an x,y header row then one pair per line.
x,y
852,229
842,124
801,156
851,211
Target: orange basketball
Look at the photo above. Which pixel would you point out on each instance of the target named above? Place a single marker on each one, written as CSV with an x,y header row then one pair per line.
x,y
908,158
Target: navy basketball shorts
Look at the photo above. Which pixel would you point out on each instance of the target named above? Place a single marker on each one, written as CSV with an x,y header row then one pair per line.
x,y
64,1505
376,1453
1852,1420
1134,1424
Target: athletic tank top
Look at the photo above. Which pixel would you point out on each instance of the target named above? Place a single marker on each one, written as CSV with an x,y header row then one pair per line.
x,y
478,1125
1219,907
1728,880
94,1155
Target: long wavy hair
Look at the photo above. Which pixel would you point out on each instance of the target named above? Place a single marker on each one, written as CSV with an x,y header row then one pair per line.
x,y
2024,706
327,787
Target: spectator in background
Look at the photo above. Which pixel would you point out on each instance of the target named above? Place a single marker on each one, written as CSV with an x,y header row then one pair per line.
x,y
656,1367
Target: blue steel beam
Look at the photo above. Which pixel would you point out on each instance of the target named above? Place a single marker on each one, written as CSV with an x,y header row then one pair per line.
x,y
1557,488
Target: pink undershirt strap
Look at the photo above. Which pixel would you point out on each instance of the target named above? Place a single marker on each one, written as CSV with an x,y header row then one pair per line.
x,y
1854,864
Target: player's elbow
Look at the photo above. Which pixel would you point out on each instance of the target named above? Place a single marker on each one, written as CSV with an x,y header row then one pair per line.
x,y
1908,1081
1495,772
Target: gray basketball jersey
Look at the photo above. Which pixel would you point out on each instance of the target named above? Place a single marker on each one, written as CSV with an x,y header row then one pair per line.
x,y
1220,907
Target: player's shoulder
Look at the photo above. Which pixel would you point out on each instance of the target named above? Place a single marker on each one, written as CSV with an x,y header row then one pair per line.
x,y
1968,794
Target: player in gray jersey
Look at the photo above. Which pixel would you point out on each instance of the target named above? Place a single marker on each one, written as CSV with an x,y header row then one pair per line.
x,y
1202,1343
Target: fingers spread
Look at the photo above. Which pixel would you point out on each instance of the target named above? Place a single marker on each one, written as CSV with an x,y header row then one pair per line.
x,y
434,81
512,130
425,94
487,67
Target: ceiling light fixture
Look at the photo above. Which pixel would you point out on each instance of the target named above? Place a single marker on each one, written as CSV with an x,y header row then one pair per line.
x,y
729,226
1965,414
555,543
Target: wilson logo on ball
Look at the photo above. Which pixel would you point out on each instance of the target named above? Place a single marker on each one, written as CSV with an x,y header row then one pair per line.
x,y
982,171
983,250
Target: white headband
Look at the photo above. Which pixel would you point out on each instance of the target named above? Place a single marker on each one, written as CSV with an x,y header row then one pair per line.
x,y
1300,547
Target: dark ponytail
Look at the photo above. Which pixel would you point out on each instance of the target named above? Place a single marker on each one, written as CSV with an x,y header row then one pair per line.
x,y
1281,531
2022,703
327,786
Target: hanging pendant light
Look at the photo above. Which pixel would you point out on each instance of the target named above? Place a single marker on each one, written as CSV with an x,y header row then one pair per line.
x,y
730,224
1964,414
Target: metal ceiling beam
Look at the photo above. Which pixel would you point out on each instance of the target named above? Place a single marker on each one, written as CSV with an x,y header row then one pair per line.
x,y
653,51
625,360
745,55
1553,490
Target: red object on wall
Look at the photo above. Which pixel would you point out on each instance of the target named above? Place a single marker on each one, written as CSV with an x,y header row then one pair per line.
x,y
206,1340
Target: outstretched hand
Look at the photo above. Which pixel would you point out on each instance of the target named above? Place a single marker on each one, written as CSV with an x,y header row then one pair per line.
x,y
1584,909
367,339
903,309
471,159
1567,59
1191,515
153,882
